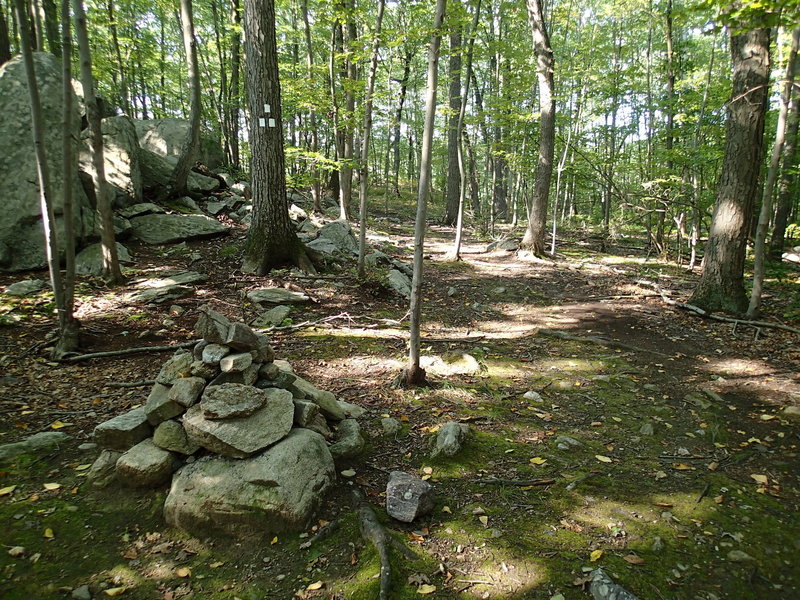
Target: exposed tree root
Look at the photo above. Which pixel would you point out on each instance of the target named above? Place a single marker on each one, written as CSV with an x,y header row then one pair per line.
x,y
704,313
593,339
515,482
374,532
81,357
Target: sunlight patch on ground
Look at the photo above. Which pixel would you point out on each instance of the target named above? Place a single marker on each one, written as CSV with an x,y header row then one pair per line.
x,y
736,366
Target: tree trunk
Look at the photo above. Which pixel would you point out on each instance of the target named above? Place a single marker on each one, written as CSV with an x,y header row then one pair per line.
x,y
759,247
398,119
271,240
124,94
111,270
234,98
180,175
788,161
346,170
316,175
51,27
414,374
452,194
721,285
545,63
5,41
364,188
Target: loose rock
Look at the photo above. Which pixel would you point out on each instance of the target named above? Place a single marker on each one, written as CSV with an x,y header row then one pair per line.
x,y
408,497
449,439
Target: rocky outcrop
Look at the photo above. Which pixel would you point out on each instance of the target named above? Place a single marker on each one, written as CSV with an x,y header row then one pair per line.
x,y
21,235
120,159
165,137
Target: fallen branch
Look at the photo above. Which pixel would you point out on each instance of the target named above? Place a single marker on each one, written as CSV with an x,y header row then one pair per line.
x,y
321,534
704,313
131,384
126,351
374,532
515,482
593,339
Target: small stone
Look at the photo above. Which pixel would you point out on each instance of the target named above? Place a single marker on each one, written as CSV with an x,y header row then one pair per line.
x,y
246,377
792,411
18,551
263,351
277,296
177,366
351,411
103,470
532,396
197,350
145,465
123,431
212,326
232,400
320,425
391,426
451,291
647,429
236,362
187,390
213,353
160,406
241,337
272,317
408,497
269,371
565,440
87,446
170,435
26,287
658,544
449,439
176,311
739,556
348,473
81,593
204,370
351,442
304,412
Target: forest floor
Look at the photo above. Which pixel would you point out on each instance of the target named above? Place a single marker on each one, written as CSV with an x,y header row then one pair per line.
x,y
684,482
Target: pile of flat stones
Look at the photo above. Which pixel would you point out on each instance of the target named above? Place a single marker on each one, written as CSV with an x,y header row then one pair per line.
x,y
248,444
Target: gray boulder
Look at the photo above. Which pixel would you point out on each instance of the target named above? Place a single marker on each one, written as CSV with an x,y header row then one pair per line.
x,y
35,443
186,390
26,287
120,158
165,137
123,431
408,497
160,406
157,173
351,442
449,439
178,366
232,401
170,435
21,235
142,208
104,470
274,492
272,317
89,261
145,465
341,235
276,296
241,437
212,326
166,229
399,282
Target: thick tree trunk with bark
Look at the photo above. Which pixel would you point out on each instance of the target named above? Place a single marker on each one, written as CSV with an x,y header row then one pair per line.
x,y
721,285
271,240
545,63
180,175
111,270
452,193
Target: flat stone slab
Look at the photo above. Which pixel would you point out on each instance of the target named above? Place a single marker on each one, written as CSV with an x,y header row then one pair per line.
x,y
123,431
165,229
277,296
26,287
243,436
232,400
145,465
179,278
272,317
36,442
274,492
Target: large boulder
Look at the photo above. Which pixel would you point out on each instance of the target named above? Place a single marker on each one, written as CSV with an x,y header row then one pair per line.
x,y
166,229
273,492
21,235
165,137
157,171
120,159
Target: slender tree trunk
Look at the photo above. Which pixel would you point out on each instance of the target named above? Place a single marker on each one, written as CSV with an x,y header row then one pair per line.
x,y
234,97
124,94
180,175
669,137
5,41
759,250
271,240
316,180
545,64
452,193
398,119
788,161
346,170
37,41
414,374
111,270
364,183
338,129
721,285
51,16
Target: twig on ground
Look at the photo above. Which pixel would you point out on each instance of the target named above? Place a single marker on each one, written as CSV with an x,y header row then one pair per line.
x,y
126,351
704,313
515,482
131,384
321,534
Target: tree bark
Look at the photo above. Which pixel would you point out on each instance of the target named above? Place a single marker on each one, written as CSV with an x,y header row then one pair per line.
x,y
5,41
271,240
364,188
452,194
759,247
124,94
316,175
51,15
414,374
346,170
234,99
788,161
545,64
180,175
111,270
721,285
398,119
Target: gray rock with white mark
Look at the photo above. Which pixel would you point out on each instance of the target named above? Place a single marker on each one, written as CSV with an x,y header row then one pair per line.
x,y
408,497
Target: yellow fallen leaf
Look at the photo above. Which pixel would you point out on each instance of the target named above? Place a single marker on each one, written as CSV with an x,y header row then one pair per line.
x,y
768,417
427,470
426,589
83,467
682,467
274,541
538,460
433,429
6,491
595,555
317,585
48,533
183,572
115,591
446,509
633,559
51,486
58,425
484,519
602,458
760,479
215,565
713,466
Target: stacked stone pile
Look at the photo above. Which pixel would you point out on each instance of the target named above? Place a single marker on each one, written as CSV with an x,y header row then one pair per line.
x,y
251,441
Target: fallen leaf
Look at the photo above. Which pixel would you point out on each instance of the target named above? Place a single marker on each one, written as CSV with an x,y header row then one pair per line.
x,y
595,424
57,425
719,499
16,551
7,490
83,467
682,467
538,460
595,555
484,519
131,554
446,509
664,504
427,470
760,479
51,486
115,591
215,565
602,458
426,589
183,572
768,417
35,557
48,533
713,466
633,559
274,541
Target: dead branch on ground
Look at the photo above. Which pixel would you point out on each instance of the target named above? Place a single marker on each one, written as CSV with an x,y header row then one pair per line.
x,y
126,351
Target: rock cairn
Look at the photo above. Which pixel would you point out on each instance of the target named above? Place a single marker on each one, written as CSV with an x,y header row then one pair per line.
x,y
248,444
